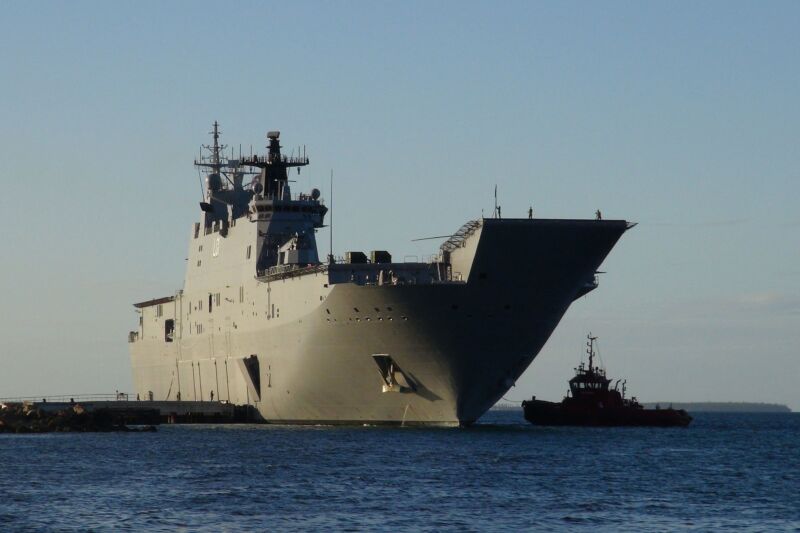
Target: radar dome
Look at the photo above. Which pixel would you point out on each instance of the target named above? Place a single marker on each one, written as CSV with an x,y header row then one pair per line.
x,y
315,193
214,182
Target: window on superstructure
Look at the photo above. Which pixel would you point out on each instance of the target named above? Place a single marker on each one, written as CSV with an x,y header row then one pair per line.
x,y
210,302
248,251
217,299
159,310
169,330
241,294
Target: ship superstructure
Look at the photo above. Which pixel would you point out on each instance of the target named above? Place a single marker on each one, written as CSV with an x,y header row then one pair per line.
x,y
262,320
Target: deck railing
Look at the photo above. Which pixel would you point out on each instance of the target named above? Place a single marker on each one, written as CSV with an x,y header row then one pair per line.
x,y
67,398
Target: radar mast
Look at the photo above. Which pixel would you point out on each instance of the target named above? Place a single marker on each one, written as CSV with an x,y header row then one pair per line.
x,y
274,177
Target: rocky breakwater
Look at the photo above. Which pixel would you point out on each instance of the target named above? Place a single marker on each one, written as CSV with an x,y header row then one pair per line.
x,y
28,418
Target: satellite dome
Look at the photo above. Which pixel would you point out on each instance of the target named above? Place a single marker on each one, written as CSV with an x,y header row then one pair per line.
x,y
315,193
214,182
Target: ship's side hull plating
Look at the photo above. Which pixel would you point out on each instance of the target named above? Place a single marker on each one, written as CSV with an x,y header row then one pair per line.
x,y
458,346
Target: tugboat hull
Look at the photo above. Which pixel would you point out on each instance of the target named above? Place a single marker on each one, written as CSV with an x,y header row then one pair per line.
x,y
545,413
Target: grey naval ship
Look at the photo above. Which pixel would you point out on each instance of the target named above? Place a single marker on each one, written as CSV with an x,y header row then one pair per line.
x,y
360,339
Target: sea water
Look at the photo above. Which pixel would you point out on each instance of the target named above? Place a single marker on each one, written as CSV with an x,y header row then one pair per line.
x,y
725,471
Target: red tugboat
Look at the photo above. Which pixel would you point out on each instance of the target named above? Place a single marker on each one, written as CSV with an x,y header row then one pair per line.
x,y
590,402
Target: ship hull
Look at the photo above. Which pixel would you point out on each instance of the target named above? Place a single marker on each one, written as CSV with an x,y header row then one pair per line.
x,y
460,345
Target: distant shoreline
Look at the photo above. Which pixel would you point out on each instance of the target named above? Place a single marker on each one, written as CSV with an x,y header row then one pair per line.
x,y
699,407
724,407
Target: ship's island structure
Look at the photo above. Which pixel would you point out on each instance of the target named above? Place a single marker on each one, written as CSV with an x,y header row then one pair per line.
x,y
261,320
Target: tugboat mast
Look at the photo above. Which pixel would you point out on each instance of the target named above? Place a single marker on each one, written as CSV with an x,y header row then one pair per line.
x,y
590,351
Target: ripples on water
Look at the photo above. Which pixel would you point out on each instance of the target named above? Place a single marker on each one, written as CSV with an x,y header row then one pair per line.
x,y
725,470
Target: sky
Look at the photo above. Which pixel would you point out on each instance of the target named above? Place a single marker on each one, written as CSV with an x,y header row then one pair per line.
x,y
681,116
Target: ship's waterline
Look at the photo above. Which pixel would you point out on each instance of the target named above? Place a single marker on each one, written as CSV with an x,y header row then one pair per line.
x,y
261,320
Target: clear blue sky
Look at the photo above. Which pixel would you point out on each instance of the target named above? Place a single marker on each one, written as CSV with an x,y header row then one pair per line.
x,y
682,116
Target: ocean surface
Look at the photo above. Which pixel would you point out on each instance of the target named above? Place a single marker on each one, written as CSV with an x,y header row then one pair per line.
x,y
726,471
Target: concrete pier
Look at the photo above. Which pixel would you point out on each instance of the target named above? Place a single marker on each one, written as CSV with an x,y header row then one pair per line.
x,y
166,412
